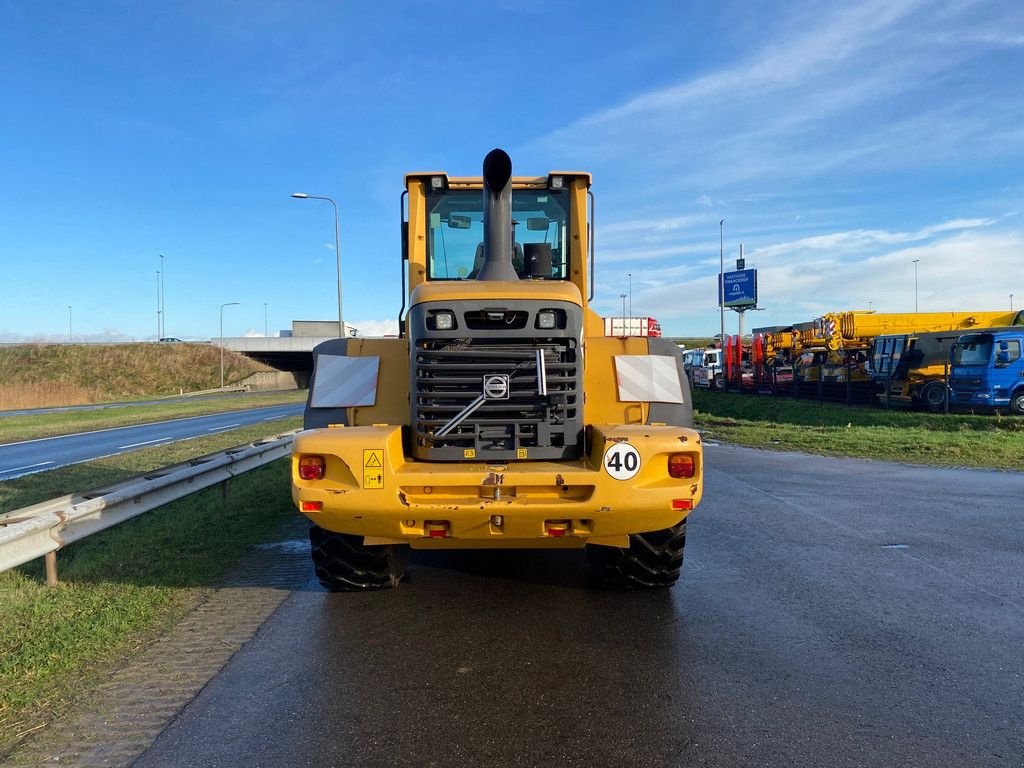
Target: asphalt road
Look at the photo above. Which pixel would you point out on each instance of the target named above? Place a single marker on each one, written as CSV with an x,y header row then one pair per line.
x,y
126,404
831,613
28,456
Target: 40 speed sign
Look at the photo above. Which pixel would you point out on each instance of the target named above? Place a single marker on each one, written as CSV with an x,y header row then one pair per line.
x,y
622,461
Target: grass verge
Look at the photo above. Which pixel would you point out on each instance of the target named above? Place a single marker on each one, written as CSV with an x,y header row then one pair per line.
x,y
835,430
14,428
121,588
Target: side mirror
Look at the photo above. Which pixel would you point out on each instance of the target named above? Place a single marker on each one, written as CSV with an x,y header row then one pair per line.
x,y
459,222
537,224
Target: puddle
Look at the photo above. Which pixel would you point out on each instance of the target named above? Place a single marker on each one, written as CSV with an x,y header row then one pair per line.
x,y
292,547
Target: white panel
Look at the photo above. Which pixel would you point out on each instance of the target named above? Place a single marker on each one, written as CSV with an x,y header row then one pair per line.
x,y
648,378
343,382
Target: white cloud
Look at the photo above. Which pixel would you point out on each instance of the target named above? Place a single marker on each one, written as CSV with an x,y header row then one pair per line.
x,y
705,201
963,266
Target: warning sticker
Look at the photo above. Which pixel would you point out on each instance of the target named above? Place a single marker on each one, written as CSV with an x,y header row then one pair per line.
x,y
373,468
521,453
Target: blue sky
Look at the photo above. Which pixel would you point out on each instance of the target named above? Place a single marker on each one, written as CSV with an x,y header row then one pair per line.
x,y
839,142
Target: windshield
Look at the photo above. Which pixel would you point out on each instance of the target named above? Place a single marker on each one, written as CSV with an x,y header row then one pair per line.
x,y
456,231
976,352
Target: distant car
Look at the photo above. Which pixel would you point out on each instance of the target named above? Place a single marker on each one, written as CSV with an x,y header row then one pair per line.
x,y
170,340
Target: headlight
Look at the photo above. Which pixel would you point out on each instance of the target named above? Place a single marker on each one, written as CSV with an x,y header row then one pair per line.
x,y
546,319
444,321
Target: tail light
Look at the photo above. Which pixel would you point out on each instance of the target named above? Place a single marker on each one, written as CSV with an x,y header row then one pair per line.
x,y
681,465
312,467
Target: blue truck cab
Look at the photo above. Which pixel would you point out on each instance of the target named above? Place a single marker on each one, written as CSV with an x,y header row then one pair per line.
x,y
988,370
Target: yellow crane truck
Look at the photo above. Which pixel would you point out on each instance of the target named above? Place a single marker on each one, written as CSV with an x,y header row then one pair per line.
x,y
502,416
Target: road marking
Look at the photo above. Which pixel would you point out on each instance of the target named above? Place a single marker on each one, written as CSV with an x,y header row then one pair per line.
x,y
144,442
27,466
221,429
146,424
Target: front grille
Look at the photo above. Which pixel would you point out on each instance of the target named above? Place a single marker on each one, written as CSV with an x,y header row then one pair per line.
x,y
448,375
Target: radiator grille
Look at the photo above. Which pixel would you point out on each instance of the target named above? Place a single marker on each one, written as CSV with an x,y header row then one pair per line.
x,y
448,375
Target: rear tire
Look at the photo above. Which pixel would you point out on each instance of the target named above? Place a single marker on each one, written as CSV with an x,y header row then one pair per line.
x,y
933,396
344,564
653,560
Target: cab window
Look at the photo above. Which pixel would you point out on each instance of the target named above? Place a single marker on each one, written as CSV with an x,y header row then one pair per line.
x,y
456,231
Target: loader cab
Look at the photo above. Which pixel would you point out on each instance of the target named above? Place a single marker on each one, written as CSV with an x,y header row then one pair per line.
x,y
548,237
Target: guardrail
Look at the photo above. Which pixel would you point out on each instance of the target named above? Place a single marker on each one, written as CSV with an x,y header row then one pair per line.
x,y
40,530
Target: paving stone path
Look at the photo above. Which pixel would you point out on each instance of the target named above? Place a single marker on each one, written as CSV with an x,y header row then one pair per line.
x,y
132,707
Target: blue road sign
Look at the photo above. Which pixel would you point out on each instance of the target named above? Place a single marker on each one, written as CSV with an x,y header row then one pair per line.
x,y
740,288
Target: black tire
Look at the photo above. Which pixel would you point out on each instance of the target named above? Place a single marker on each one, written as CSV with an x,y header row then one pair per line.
x,y
653,560
933,396
1017,403
718,382
343,564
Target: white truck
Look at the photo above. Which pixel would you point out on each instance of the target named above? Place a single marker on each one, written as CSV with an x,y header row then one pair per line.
x,y
709,373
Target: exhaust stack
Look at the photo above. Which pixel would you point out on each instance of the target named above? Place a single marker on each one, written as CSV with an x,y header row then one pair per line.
x,y
498,235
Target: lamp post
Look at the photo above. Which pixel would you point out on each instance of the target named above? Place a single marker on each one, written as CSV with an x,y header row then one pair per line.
x,y
228,304
1011,302
721,283
337,251
265,334
69,324
159,330
163,306
915,284
629,277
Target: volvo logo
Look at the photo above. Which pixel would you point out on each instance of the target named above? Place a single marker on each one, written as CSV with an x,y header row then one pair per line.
x,y
496,386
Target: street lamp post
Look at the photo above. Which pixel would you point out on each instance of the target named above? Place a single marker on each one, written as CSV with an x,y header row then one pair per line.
x,y
69,324
159,329
629,277
915,284
1011,302
265,334
228,304
163,306
337,250
721,283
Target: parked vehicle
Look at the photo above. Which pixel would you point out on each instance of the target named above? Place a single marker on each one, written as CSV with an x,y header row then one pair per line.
x,y
632,326
988,370
708,374
911,369
691,359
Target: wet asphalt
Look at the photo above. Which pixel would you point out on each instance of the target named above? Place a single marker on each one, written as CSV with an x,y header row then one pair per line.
x,y
831,612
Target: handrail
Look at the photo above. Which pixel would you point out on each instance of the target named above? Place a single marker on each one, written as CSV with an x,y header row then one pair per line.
x,y
42,529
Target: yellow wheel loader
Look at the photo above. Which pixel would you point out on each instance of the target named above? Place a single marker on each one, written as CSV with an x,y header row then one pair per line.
x,y
502,416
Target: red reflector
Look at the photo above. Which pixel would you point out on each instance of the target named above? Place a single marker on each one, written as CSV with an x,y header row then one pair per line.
x,y
437,530
556,529
681,465
682,503
311,467
311,506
